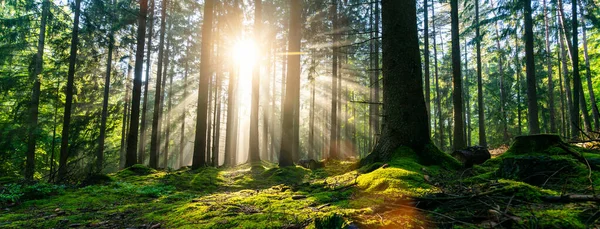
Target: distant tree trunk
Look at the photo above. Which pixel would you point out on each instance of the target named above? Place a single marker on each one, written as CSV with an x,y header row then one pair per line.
x,y
588,71
209,124
467,103
293,81
254,151
132,137
563,102
505,136
32,133
438,99
156,117
480,107
459,137
567,86
405,112
217,114
100,150
163,99
532,106
587,123
519,86
199,159
144,123
184,102
311,124
272,125
231,127
549,66
377,73
64,144
126,112
55,123
333,151
168,118
266,99
427,57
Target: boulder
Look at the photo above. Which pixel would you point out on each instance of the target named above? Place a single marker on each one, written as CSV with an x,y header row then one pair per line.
x,y
473,155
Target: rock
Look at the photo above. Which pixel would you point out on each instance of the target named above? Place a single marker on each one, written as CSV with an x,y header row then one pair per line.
x,y
473,155
311,164
298,197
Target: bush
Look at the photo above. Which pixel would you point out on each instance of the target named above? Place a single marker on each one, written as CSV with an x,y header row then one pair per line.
x,y
14,193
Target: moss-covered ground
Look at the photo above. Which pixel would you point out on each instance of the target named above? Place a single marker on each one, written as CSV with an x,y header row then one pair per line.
x,y
400,194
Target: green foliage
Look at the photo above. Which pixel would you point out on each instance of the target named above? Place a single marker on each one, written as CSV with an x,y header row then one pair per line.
x,y
14,193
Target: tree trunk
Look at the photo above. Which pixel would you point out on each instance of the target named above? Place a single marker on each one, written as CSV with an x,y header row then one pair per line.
x,y
144,123
161,123
64,144
333,151
199,159
578,89
184,102
132,137
126,112
459,138
505,136
480,108
32,133
156,117
254,151
567,85
427,57
549,66
405,112
293,82
438,99
100,150
519,85
231,127
169,104
532,106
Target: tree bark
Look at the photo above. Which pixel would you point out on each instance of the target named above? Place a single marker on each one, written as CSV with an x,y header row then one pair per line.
x,y
156,117
588,73
100,150
64,144
333,151
438,99
549,66
254,151
427,57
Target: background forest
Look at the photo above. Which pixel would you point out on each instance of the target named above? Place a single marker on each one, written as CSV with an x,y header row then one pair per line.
x,y
92,87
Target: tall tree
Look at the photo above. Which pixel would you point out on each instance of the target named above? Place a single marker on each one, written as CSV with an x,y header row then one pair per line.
x,y
111,43
254,152
577,88
549,66
459,136
156,117
142,143
64,143
199,159
293,81
480,108
405,122
38,62
438,99
532,106
427,57
588,71
132,136
333,151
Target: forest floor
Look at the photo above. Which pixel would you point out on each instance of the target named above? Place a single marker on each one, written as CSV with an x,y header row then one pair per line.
x,y
548,187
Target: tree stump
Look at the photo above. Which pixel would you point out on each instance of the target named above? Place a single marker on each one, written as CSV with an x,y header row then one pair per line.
x,y
473,155
535,143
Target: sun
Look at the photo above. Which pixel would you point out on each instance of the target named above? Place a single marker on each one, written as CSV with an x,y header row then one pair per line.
x,y
245,54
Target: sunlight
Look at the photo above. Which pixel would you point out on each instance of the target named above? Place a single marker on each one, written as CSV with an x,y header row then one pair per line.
x,y
245,54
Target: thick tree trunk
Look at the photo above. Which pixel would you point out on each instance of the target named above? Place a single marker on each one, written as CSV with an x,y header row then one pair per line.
x,y
578,89
200,143
532,106
293,81
405,109
64,144
32,133
459,137
144,123
156,117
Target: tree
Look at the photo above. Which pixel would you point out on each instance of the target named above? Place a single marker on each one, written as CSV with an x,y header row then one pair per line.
x,y
64,143
142,143
577,88
438,99
549,66
459,135
199,159
156,117
405,122
292,82
132,136
588,71
38,62
111,44
532,106
254,152
427,57
333,150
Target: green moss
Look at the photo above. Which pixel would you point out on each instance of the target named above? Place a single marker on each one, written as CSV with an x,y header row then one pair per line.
x,y
136,170
559,218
